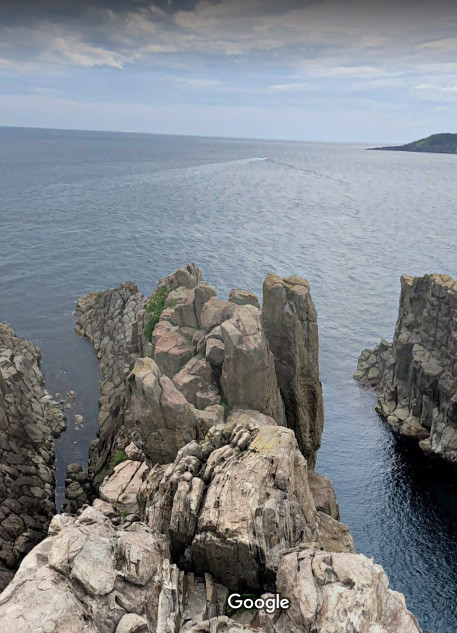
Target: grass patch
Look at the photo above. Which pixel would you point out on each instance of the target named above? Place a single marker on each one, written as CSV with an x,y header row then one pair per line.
x,y
155,306
189,340
225,405
116,459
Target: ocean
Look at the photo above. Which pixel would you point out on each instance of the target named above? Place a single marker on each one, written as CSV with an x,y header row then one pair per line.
x,y
83,211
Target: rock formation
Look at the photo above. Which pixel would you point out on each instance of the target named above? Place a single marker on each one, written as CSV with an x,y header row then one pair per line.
x,y
77,488
107,320
214,494
196,352
290,322
222,516
417,373
29,418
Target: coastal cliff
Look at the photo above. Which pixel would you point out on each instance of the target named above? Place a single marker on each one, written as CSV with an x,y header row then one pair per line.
x,y
417,373
29,419
212,492
436,144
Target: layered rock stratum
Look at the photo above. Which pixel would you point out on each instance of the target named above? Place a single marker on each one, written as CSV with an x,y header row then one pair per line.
x,y
212,490
416,374
29,420
106,319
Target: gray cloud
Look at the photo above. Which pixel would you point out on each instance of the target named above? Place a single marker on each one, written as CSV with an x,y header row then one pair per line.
x,y
232,53
309,36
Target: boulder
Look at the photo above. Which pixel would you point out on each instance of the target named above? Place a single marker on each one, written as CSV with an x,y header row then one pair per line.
x,y
337,592
121,488
195,382
243,298
77,488
164,420
215,311
290,322
187,276
203,292
172,351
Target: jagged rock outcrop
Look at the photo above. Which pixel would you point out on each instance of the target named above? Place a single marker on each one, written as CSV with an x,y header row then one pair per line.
x,y
90,576
164,419
417,373
290,322
232,504
323,494
206,351
108,319
332,592
243,297
29,418
210,498
248,370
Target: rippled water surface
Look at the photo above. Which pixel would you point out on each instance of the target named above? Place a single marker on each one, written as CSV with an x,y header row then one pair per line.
x,y
85,211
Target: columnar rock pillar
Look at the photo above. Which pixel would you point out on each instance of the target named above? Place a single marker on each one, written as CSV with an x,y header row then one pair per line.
x,y
290,322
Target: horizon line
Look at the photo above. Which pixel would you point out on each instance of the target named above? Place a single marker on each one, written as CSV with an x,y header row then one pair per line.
x,y
206,136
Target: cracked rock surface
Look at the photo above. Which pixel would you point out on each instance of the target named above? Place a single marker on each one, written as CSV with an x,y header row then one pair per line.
x,y
108,320
416,374
29,419
218,406
290,322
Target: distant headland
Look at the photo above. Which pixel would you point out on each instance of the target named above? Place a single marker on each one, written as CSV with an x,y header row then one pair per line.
x,y
436,143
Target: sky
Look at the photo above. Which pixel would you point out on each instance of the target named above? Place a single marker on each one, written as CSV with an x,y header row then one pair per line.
x,y
319,70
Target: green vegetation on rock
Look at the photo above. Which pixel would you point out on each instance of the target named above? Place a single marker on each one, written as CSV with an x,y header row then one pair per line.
x,y
436,143
155,306
117,458
225,405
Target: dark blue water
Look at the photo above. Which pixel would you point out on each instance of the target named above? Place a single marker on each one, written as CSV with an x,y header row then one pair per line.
x,y
84,211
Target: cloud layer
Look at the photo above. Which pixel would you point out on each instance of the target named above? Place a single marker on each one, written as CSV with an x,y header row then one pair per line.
x,y
309,56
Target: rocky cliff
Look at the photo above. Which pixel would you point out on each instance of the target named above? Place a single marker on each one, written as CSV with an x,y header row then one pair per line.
x,y
107,320
214,494
233,512
29,418
290,321
417,373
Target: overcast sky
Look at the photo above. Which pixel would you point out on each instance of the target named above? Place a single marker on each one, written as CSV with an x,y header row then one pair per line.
x,y
313,70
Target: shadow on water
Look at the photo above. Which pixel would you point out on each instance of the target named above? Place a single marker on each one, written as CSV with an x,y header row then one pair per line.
x,y
69,363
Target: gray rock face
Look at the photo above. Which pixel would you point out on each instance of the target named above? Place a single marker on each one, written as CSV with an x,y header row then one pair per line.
x,y
87,577
323,494
120,489
290,322
338,592
195,382
77,488
109,320
90,577
29,418
164,419
231,505
243,298
417,373
248,371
